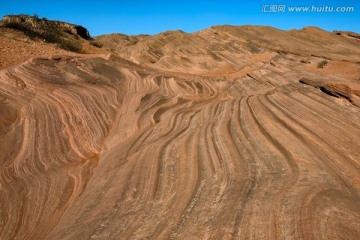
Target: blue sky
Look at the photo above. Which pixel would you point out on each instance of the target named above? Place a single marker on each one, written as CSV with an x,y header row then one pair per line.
x,y
151,17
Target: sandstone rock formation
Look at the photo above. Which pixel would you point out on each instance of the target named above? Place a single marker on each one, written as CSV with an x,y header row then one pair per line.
x,y
227,133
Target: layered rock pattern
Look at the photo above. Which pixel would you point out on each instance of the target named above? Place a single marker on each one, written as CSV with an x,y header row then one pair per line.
x,y
99,147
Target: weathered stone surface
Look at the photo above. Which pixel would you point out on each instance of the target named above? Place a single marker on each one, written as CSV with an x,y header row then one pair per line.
x,y
184,136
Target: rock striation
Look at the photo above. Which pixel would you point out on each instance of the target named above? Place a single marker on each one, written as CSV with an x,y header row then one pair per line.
x,y
185,136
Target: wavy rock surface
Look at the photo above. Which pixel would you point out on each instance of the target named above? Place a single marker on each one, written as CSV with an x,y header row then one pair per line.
x,y
99,147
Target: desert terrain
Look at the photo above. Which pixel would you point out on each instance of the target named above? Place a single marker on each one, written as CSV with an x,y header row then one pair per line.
x,y
232,132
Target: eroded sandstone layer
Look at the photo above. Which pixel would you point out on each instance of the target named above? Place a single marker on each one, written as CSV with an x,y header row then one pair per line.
x,y
173,138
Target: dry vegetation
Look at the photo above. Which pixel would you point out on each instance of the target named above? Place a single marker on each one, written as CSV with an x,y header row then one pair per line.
x,y
66,36
49,31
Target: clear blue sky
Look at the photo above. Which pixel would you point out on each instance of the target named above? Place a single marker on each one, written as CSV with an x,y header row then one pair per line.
x,y
151,17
